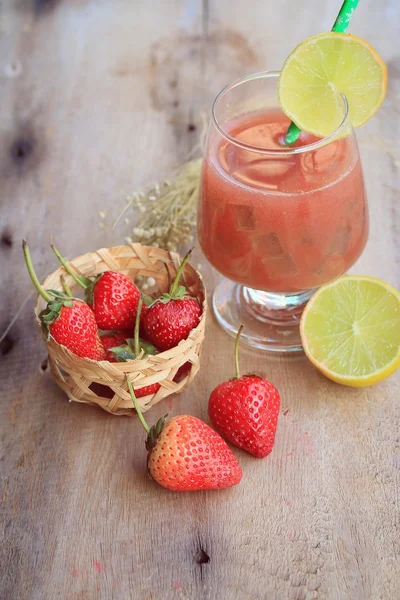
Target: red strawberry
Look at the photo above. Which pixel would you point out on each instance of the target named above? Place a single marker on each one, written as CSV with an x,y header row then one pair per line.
x,y
112,340
245,411
147,390
113,297
183,371
131,350
185,454
69,321
114,301
172,317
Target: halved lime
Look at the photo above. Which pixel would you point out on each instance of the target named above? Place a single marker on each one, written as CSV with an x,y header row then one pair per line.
x,y
350,330
319,69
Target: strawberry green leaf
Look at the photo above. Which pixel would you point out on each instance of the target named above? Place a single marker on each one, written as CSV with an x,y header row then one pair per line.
x,y
57,293
61,297
123,353
180,292
45,327
148,300
49,316
164,299
55,306
127,351
154,434
147,347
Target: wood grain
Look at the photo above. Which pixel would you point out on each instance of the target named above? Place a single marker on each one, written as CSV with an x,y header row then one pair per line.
x,y
98,98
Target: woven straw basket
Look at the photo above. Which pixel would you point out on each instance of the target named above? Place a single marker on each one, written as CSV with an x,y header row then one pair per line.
x,y
83,379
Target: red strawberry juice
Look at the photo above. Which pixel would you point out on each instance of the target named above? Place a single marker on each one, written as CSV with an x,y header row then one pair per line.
x,y
281,223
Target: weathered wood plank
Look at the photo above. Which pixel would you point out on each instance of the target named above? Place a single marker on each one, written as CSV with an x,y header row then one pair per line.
x,y
97,99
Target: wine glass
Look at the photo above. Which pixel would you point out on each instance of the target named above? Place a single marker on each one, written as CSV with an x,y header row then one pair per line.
x,y
276,221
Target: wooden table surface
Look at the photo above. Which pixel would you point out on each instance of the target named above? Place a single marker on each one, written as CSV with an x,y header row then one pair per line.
x,y
97,98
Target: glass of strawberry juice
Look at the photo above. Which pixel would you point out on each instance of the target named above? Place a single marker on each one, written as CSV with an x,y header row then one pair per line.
x,y
276,221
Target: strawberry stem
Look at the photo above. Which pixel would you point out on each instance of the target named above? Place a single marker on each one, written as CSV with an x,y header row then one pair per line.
x,y
137,327
175,285
66,266
168,275
237,351
65,286
31,271
137,407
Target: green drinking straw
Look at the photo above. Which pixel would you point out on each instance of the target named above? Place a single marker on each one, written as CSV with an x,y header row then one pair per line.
x,y
340,26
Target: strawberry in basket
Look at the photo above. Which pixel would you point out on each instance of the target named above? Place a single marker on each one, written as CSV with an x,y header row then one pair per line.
x,y
172,316
113,297
69,321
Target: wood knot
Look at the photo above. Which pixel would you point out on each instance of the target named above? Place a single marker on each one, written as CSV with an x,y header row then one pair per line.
x,y
26,150
7,344
21,149
6,239
202,557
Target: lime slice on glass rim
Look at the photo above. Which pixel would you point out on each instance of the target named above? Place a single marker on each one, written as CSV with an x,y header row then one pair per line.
x,y
350,330
324,66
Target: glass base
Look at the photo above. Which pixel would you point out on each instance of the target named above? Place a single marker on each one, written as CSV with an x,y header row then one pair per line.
x,y
271,321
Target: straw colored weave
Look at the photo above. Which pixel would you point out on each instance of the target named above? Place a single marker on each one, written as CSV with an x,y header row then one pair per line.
x,y
82,379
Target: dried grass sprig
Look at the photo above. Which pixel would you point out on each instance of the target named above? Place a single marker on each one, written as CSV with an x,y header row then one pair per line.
x,y
167,210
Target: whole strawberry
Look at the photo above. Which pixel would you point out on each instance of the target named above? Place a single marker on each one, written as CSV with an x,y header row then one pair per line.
x,y
113,340
112,295
171,317
69,321
245,411
185,454
131,349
